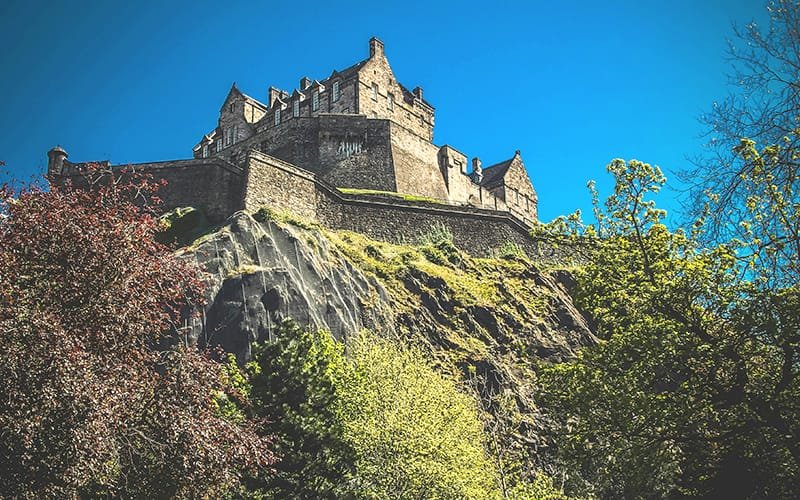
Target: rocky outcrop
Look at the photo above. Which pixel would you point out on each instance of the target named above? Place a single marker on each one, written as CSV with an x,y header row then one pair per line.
x,y
485,321
259,272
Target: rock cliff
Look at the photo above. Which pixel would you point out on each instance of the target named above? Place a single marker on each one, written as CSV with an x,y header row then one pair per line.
x,y
484,320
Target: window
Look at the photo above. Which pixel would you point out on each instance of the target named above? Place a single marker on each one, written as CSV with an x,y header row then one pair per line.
x,y
219,145
335,91
390,101
235,134
295,108
278,116
231,107
205,151
227,133
315,101
374,91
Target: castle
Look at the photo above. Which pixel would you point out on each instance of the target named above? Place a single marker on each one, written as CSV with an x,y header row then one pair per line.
x,y
357,138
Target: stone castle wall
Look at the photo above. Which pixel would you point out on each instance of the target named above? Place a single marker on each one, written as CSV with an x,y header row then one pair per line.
x,y
212,185
219,189
476,230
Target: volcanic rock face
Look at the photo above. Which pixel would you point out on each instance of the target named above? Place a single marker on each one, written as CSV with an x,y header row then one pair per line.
x,y
484,321
260,273
477,311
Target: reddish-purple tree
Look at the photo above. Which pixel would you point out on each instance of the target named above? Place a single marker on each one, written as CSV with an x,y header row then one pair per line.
x,y
90,404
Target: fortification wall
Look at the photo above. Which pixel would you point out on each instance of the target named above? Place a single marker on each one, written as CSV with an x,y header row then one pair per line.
x,y
356,152
210,184
416,165
475,230
281,186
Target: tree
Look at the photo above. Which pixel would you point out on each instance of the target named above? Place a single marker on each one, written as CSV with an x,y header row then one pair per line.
x,y
369,420
414,434
695,387
295,387
92,405
763,105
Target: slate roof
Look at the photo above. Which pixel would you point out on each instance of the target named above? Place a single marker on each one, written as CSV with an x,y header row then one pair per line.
x,y
493,175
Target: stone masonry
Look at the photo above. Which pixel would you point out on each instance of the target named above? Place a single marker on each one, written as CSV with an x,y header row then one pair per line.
x,y
358,128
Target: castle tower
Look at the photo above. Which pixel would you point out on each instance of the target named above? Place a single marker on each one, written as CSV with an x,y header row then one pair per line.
x,y
55,161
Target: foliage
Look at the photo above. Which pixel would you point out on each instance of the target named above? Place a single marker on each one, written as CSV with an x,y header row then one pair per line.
x,y
182,226
763,104
390,194
92,405
374,422
510,251
695,389
264,214
414,434
295,382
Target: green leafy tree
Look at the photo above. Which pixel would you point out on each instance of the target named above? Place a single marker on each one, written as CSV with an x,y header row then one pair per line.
x,y
295,387
414,434
762,104
375,421
694,389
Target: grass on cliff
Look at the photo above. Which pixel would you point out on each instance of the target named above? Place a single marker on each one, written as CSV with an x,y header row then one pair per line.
x,y
502,284
488,282
390,194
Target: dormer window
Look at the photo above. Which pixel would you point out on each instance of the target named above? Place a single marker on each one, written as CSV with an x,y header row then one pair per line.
x,y
390,101
278,116
335,91
205,151
374,91
315,100
219,145
295,108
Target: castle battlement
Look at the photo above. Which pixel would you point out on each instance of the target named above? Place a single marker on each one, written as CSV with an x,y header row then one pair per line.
x,y
359,128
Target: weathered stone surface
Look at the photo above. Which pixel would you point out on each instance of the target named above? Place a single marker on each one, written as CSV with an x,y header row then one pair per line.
x,y
357,128
259,273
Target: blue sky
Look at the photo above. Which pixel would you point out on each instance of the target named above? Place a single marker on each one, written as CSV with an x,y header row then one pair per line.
x,y
572,84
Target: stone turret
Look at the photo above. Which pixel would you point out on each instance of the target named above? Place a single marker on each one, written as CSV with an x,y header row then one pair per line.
x,y
55,161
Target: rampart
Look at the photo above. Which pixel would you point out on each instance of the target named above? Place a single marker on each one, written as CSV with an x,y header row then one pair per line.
x,y
220,188
212,185
478,231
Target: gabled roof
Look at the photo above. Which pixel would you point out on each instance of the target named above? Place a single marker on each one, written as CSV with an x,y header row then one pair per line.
x,y
235,92
493,175
349,71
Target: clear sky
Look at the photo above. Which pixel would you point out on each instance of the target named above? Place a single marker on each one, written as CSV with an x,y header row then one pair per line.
x,y
572,84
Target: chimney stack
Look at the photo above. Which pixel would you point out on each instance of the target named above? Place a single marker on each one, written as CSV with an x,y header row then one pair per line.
x,y
375,47
417,93
274,95
477,170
